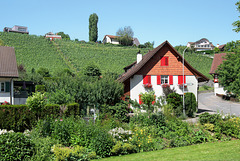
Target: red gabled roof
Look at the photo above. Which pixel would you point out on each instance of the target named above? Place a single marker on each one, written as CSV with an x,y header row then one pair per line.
x,y
125,76
8,63
217,60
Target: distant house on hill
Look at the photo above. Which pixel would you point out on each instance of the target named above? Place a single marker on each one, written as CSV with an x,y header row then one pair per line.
x,y
17,29
217,60
159,69
8,71
52,36
221,47
113,40
201,45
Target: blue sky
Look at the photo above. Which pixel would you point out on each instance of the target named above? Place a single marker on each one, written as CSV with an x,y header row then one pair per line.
x,y
178,21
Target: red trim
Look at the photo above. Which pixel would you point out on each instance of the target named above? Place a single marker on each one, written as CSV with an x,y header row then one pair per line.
x,y
170,79
158,79
164,61
180,79
147,79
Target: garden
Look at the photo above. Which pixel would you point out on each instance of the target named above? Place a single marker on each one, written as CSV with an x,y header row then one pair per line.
x,y
53,123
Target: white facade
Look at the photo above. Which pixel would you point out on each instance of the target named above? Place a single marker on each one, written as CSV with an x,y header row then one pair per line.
x,y
136,86
201,45
5,95
107,39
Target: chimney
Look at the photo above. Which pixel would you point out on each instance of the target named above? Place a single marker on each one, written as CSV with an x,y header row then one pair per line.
x,y
217,45
139,57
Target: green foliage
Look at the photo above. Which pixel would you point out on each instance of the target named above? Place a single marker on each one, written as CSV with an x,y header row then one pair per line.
x,y
75,153
233,46
1,43
175,100
92,70
34,51
93,29
123,148
149,44
118,111
40,88
147,99
60,97
190,104
237,23
72,109
143,119
216,50
50,110
15,146
16,117
209,118
64,36
125,36
44,72
36,102
229,73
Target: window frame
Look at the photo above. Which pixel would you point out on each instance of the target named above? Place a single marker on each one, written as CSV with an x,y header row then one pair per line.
x,y
164,79
2,84
165,61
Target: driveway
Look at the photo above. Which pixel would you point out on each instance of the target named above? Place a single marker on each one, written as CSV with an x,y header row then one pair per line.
x,y
208,102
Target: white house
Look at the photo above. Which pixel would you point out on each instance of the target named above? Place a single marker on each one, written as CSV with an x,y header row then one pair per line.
x,y
8,71
113,40
217,60
201,45
110,39
157,69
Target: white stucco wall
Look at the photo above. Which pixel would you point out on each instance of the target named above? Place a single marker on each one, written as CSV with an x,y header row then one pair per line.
x,y
5,96
136,86
218,89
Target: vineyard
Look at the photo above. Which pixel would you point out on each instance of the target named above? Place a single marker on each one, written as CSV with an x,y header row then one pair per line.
x,y
35,51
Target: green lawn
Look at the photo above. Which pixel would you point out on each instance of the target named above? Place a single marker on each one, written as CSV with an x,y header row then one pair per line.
x,y
229,150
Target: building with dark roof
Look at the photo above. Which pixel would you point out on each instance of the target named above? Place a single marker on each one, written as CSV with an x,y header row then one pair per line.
x,y
201,45
160,68
8,71
16,29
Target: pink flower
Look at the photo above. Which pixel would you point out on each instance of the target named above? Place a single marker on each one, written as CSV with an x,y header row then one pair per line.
x,y
61,120
56,120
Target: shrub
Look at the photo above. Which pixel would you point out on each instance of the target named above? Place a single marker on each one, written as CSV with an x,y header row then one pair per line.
x,y
60,96
72,109
176,101
74,153
40,88
208,118
36,102
190,104
16,117
15,146
50,110
123,148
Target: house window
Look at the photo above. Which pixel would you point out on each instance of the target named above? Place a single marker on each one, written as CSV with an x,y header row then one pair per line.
x,y
164,79
164,61
2,89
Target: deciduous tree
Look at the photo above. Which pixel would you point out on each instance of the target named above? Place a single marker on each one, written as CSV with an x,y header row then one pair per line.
x,y
237,23
125,36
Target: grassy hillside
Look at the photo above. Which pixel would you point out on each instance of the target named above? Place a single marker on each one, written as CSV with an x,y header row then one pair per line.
x,y
35,52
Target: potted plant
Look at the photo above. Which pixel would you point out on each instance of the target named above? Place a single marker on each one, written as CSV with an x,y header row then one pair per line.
x,y
165,85
148,85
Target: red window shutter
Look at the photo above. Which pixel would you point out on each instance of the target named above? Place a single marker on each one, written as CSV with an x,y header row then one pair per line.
x,y
147,79
166,61
180,79
158,79
170,79
140,101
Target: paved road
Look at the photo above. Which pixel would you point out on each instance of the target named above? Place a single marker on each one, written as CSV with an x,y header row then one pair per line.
x,y
210,103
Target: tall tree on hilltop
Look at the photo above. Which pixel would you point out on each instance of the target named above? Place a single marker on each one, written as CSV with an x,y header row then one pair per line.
x,y
93,29
237,23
